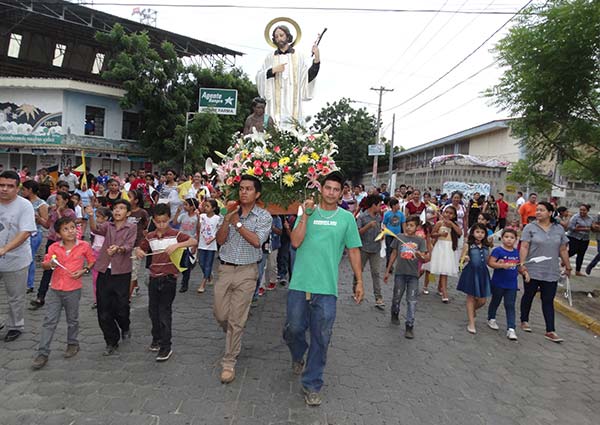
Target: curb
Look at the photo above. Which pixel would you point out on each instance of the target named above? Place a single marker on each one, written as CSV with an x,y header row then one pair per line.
x,y
581,319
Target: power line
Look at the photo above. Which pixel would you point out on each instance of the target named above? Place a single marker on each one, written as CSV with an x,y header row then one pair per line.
x,y
461,61
322,9
449,89
414,40
450,40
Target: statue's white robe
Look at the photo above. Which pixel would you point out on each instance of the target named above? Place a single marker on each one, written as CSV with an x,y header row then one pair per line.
x,y
286,91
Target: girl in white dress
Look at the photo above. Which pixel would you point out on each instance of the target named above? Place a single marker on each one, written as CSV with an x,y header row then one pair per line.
x,y
443,258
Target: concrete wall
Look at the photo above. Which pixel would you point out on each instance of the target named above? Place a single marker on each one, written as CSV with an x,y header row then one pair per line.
x,y
498,144
74,113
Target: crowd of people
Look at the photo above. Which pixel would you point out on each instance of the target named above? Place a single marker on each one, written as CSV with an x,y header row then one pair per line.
x,y
167,223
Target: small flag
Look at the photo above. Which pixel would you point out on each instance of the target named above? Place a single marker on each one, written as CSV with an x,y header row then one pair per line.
x,y
135,11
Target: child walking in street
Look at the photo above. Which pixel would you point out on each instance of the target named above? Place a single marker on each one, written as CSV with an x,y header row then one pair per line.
x,y
210,220
67,258
103,214
163,277
114,274
446,233
407,253
505,262
187,220
475,278
138,216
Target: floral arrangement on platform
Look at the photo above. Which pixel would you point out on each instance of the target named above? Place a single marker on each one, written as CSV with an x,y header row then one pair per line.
x,y
288,162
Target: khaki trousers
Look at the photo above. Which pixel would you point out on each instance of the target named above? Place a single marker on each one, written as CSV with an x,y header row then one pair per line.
x,y
234,289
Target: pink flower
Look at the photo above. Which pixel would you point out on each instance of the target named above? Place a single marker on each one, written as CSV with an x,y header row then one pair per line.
x,y
229,181
269,175
311,138
326,170
324,160
266,164
258,171
277,149
286,169
319,166
257,163
274,164
295,151
237,179
311,170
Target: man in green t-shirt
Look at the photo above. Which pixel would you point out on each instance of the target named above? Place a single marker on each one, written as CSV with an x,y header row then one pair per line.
x,y
320,236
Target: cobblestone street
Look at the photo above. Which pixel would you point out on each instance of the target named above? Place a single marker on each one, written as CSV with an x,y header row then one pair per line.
x,y
373,376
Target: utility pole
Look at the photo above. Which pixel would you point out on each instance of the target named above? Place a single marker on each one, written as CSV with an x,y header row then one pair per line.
x,y
381,89
391,163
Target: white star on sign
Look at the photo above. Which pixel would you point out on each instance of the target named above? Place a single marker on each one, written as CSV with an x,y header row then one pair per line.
x,y
229,100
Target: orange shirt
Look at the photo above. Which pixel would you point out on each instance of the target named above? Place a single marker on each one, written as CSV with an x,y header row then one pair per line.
x,y
527,210
72,260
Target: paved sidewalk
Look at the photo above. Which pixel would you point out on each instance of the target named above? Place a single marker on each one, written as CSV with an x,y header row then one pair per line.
x,y
374,375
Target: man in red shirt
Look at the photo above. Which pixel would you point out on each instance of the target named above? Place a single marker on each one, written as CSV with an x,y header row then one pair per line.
x,y
502,210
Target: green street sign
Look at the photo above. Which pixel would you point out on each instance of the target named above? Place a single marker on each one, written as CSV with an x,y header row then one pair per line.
x,y
218,101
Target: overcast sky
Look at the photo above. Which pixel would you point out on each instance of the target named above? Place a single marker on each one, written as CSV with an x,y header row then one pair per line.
x,y
403,51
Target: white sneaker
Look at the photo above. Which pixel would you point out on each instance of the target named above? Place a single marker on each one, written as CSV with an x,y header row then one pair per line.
x,y
511,334
493,324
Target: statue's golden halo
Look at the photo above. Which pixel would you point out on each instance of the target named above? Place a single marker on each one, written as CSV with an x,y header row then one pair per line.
x,y
280,20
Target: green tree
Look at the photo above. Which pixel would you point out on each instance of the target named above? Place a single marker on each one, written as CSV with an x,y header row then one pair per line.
x,y
165,89
353,130
525,172
552,83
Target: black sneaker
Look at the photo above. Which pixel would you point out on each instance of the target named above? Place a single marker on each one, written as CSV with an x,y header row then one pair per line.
x,y
183,289
312,398
154,347
36,304
408,334
395,319
164,355
12,335
110,350
30,290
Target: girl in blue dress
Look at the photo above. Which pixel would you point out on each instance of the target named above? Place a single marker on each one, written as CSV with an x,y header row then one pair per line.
x,y
475,277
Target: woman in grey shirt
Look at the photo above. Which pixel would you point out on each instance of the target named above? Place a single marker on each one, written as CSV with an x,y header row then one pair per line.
x,y
579,235
545,238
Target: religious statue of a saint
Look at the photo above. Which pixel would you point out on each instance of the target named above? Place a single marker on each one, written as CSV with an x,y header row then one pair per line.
x,y
287,78
258,119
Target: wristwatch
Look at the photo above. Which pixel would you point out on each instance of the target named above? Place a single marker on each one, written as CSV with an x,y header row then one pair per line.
x,y
87,270
238,225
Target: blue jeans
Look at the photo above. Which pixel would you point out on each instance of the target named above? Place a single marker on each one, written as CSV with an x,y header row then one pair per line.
x,y
318,314
410,284
595,260
206,260
261,271
510,299
35,242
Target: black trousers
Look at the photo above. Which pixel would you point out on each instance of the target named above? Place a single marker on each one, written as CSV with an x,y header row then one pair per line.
x,y
112,297
161,293
46,278
501,223
547,292
579,247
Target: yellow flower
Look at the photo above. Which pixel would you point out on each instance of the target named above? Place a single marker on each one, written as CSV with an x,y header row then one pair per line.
x,y
314,156
303,159
284,161
244,153
250,171
288,180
